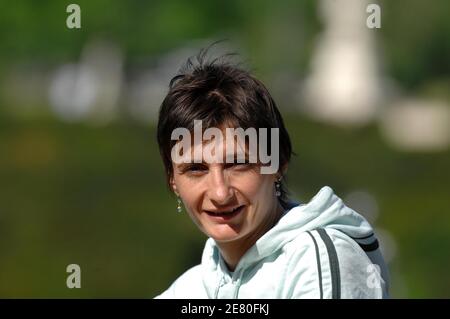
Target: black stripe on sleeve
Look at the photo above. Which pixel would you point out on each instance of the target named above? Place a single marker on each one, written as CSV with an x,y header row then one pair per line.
x,y
334,264
319,266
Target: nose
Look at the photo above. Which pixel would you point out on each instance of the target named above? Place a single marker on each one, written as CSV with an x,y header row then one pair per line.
x,y
220,192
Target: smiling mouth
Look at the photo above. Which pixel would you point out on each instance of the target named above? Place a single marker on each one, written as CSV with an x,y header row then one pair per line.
x,y
230,213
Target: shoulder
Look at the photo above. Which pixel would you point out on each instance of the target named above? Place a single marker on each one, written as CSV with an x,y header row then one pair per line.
x,y
188,285
358,276
326,263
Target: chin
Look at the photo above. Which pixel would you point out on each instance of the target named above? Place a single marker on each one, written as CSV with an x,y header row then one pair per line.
x,y
223,233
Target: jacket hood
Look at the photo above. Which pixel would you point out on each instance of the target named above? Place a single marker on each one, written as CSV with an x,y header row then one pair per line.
x,y
325,209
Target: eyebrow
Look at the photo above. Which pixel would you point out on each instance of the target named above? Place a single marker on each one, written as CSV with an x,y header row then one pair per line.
x,y
185,165
230,158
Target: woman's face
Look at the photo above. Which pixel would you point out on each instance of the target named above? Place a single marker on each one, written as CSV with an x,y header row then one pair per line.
x,y
227,201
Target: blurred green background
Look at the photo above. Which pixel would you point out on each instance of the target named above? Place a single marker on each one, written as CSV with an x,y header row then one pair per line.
x,y
81,180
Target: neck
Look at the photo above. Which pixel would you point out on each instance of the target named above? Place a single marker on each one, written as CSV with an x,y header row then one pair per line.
x,y
232,252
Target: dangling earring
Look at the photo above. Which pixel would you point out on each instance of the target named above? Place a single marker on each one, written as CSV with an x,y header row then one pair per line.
x,y
278,187
179,209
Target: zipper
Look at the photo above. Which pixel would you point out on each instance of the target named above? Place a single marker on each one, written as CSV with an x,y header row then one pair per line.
x,y
216,293
238,284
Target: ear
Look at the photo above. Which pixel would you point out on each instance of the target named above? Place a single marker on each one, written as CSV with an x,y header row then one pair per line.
x,y
283,170
173,186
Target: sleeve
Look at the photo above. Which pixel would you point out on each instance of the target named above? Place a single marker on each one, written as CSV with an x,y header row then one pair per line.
x,y
332,265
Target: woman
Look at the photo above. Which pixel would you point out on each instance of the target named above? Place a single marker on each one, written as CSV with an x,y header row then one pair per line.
x,y
261,244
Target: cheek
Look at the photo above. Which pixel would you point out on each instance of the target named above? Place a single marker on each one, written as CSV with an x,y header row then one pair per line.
x,y
259,187
186,190
192,192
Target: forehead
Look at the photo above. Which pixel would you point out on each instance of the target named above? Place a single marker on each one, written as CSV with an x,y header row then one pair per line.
x,y
225,143
216,145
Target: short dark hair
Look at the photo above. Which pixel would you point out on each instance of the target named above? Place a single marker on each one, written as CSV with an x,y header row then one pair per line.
x,y
218,92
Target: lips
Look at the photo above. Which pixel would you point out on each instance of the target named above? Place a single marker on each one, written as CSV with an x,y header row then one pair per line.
x,y
225,213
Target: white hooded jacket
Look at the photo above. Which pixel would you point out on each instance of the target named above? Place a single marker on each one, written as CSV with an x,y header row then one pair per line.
x,y
322,249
